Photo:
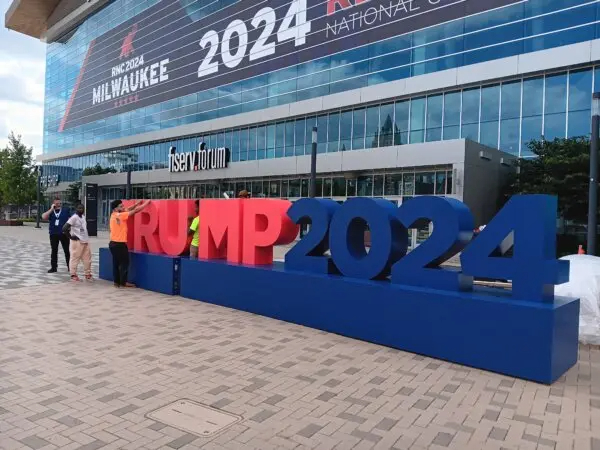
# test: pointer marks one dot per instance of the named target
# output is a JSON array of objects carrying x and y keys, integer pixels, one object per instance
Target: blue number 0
[
  {"x": 452, "y": 230},
  {"x": 308, "y": 254},
  {"x": 533, "y": 269},
  {"x": 347, "y": 238}
]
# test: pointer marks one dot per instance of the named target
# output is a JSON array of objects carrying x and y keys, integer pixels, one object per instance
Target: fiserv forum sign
[
  {"x": 201, "y": 159},
  {"x": 178, "y": 47}
]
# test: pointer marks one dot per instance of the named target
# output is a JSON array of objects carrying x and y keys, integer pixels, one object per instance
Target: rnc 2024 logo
[{"x": 131, "y": 76}]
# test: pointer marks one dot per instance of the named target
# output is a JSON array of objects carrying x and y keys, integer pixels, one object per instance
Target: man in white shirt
[{"x": 76, "y": 229}]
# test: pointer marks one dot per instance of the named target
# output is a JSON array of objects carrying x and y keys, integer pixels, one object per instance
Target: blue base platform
[
  {"x": 158, "y": 273},
  {"x": 534, "y": 341}
]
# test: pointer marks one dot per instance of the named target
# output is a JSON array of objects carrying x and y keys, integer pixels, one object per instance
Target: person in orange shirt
[{"x": 118, "y": 239}]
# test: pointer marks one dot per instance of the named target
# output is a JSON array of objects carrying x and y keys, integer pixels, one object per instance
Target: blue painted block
[
  {"x": 157, "y": 273},
  {"x": 483, "y": 329}
]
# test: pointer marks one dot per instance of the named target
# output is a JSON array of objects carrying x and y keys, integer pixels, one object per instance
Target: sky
[{"x": 22, "y": 65}]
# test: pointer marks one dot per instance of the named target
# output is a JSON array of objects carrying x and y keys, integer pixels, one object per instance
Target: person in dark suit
[{"x": 57, "y": 216}]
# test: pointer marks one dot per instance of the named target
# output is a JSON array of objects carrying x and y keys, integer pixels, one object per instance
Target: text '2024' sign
[
  {"x": 245, "y": 231},
  {"x": 179, "y": 47}
]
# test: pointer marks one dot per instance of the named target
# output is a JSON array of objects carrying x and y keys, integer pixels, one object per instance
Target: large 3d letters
[
  {"x": 146, "y": 230},
  {"x": 173, "y": 225},
  {"x": 221, "y": 230},
  {"x": 266, "y": 224}
]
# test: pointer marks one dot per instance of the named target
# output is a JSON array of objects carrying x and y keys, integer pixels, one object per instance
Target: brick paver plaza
[{"x": 81, "y": 367}]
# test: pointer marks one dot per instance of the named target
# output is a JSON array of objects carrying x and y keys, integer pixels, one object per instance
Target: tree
[
  {"x": 18, "y": 177},
  {"x": 74, "y": 188},
  {"x": 561, "y": 168}
]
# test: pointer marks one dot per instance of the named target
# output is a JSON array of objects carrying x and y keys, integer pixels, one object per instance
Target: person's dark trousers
[
  {"x": 55, "y": 239},
  {"x": 120, "y": 255}
]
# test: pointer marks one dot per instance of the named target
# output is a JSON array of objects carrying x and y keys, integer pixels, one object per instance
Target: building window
[
  {"x": 555, "y": 118},
  {"x": 358, "y": 129},
  {"x": 452, "y": 115},
  {"x": 434, "y": 118},
  {"x": 417, "y": 120},
  {"x": 470, "y": 114}
]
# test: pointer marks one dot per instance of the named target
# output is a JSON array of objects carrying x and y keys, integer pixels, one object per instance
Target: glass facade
[
  {"x": 504, "y": 116},
  {"x": 394, "y": 185},
  {"x": 521, "y": 28}
]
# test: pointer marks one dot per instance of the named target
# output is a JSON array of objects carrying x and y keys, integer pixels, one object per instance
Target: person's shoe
[
  {"x": 89, "y": 277},
  {"x": 118, "y": 286},
  {"x": 53, "y": 270},
  {"x": 75, "y": 278},
  {"x": 129, "y": 285}
]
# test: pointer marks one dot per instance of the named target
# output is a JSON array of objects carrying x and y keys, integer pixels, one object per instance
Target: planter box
[{"x": 11, "y": 223}]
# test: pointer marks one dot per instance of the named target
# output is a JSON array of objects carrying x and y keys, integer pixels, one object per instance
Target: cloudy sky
[{"x": 21, "y": 85}]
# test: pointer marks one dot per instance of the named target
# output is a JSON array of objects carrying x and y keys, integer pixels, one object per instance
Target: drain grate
[{"x": 194, "y": 418}]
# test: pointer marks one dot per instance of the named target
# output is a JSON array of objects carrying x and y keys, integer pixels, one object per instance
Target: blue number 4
[{"x": 533, "y": 269}]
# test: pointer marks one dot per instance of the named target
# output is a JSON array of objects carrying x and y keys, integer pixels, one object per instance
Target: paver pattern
[
  {"x": 82, "y": 364},
  {"x": 26, "y": 263}
]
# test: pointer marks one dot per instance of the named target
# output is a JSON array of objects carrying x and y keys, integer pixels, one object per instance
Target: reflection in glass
[
  {"x": 339, "y": 186},
  {"x": 321, "y": 133},
  {"x": 304, "y": 187},
  {"x": 452, "y": 115},
  {"x": 511, "y": 100},
  {"x": 327, "y": 185},
  {"x": 252, "y": 144},
  {"x": 424, "y": 183},
  {"x": 556, "y": 94},
  {"x": 533, "y": 96},
  {"x": 378, "y": 186},
  {"x": 346, "y": 130},
  {"x": 408, "y": 188},
  {"x": 294, "y": 188},
  {"x": 580, "y": 123},
  {"x": 358, "y": 129},
  {"x": 299, "y": 136},
  {"x": 531, "y": 129},
  {"x": 279, "y": 139},
  {"x": 401, "y": 120},
  {"x": 555, "y": 126},
  {"x": 509, "y": 136},
  {"x": 417, "y": 120},
  {"x": 333, "y": 132},
  {"x": 274, "y": 188},
  {"x": 386, "y": 125},
  {"x": 440, "y": 183},
  {"x": 271, "y": 141},
  {"x": 372, "y": 127},
  {"x": 365, "y": 186},
  {"x": 393, "y": 184},
  {"x": 434, "y": 118},
  {"x": 470, "y": 114},
  {"x": 289, "y": 138},
  {"x": 351, "y": 188}
]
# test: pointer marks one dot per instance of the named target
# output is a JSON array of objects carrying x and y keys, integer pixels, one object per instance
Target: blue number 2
[
  {"x": 308, "y": 254},
  {"x": 452, "y": 230},
  {"x": 533, "y": 269}
]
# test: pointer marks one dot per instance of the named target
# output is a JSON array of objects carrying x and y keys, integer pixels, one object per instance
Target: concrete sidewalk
[{"x": 83, "y": 365}]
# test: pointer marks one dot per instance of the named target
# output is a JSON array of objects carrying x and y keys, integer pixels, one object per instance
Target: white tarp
[{"x": 584, "y": 283}]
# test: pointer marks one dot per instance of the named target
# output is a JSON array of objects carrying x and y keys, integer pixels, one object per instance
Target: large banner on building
[{"x": 178, "y": 47}]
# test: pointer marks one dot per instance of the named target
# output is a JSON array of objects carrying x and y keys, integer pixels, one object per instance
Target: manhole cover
[{"x": 194, "y": 418}]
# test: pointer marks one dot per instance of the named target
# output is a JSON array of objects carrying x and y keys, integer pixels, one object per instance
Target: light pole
[
  {"x": 39, "y": 182},
  {"x": 313, "y": 164},
  {"x": 593, "y": 195}
]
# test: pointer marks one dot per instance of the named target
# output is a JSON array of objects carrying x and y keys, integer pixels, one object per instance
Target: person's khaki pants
[
  {"x": 80, "y": 252},
  {"x": 193, "y": 252}
]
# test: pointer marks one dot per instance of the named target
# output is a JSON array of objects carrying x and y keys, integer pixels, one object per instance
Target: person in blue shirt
[{"x": 57, "y": 216}]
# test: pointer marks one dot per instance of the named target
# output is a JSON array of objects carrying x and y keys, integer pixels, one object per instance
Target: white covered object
[{"x": 584, "y": 283}]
